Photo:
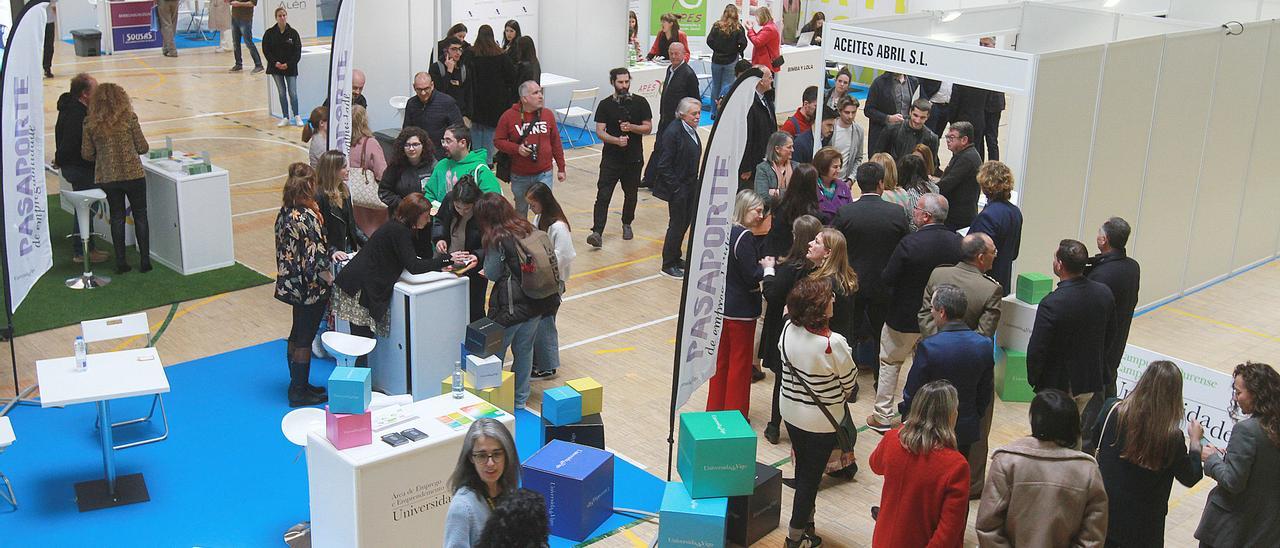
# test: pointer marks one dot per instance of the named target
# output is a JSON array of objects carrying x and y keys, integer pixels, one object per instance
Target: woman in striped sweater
[{"x": 817, "y": 370}]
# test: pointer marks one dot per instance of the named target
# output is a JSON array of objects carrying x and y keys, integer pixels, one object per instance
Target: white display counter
[
  {"x": 313, "y": 81},
  {"x": 428, "y": 322},
  {"x": 803, "y": 68},
  {"x": 190, "y": 217},
  {"x": 379, "y": 495},
  {"x": 646, "y": 81}
]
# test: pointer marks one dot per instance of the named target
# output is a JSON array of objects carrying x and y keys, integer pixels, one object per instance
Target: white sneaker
[
  {"x": 283, "y": 122},
  {"x": 297, "y": 120}
]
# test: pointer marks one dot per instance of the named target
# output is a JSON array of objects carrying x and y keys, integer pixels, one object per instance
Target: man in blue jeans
[
  {"x": 528, "y": 133},
  {"x": 242, "y": 29}
]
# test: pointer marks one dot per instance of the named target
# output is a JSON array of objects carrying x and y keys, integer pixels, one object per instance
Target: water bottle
[
  {"x": 457, "y": 380},
  {"x": 82, "y": 354}
]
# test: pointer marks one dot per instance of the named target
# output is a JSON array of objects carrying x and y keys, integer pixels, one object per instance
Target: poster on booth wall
[
  {"x": 133, "y": 26},
  {"x": 1206, "y": 393},
  {"x": 28, "y": 253},
  {"x": 692, "y": 15}
]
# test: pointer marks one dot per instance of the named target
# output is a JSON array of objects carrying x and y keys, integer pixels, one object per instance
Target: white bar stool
[
  {"x": 346, "y": 347},
  {"x": 82, "y": 200}
]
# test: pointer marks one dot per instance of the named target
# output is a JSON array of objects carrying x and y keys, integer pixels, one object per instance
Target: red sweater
[
  {"x": 925, "y": 498},
  {"x": 544, "y": 134},
  {"x": 797, "y": 123},
  {"x": 767, "y": 45}
]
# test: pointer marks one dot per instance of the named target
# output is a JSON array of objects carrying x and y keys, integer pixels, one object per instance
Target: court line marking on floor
[
  {"x": 1220, "y": 323},
  {"x": 618, "y": 332},
  {"x": 616, "y": 350},
  {"x": 1191, "y": 491},
  {"x": 610, "y": 288},
  {"x": 262, "y": 180},
  {"x": 616, "y": 265},
  {"x": 255, "y": 212}
]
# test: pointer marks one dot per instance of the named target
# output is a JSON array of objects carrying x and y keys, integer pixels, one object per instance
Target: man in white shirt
[{"x": 848, "y": 137}]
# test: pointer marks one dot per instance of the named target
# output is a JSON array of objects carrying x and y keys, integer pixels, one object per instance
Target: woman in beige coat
[
  {"x": 220, "y": 21},
  {"x": 1040, "y": 490}
]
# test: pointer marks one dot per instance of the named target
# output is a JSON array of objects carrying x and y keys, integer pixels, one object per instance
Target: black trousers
[
  {"x": 611, "y": 173},
  {"x": 812, "y": 451},
  {"x": 136, "y": 192},
  {"x": 869, "y": 315},
  {"x": 937, "y": 121},
  {"x": 680, "y": 209},
  {"x": 989, "y": 134},
  {"x": 477, "y": 286},
  {"x": 306, "y": 321},
  {"x": 48, "y": 46}
]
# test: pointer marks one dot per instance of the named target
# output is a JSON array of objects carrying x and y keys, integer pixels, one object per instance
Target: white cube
[
  {"x": 484, "y": 372},
  {"x": 1016, "y": 320}
]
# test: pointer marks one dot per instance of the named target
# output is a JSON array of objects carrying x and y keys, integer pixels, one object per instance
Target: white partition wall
[
  {"x": 596, "y": 45},
  {"x": 1258, "y": 237},
  {"x": 393, "y": 40}
]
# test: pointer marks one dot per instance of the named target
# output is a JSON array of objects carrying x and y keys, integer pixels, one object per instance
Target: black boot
[
  {"x": 288, "y": 358},
  {"x": 771, "y": 433},
  {"x": 142, "y": 231},
  {"x": 299, "y": 395},
  {"x": 117, "y": 241}
]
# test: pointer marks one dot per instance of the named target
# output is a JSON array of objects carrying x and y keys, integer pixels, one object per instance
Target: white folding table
[{"x": 109, "y": 376}]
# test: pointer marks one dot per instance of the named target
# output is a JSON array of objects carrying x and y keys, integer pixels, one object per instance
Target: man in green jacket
[{"x": 461, "y": 161}]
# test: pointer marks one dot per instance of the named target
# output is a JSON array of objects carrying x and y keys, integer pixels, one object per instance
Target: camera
[{"x": 533, "y": 151}]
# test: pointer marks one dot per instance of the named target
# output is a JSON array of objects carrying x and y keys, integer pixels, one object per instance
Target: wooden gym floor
[{"x": 618, "y": 320}]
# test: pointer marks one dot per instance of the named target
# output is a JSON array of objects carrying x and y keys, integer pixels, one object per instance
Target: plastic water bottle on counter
[
  {"x": 82, "y": 354},
  {"x": 457, "y": 380}
]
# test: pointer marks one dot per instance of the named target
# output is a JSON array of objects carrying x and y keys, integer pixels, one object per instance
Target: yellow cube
[
  {"x": 592, "y": 394},
  {"x": 503, "y": 396}
]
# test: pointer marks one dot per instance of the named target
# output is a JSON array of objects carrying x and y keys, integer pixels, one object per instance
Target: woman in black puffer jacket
[{"x": 494, "y": 76}]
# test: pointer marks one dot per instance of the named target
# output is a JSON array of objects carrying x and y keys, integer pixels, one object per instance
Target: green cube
[
  {"x": 717, "y": 456},
  {"x": 1011, "y": 376},
  {"x": 1033, "y": 286}
]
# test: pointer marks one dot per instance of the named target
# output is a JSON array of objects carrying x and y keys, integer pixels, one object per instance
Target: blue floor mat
[
  {"x": 225, "y": 477},
  {"x": 186, "y": 40}
]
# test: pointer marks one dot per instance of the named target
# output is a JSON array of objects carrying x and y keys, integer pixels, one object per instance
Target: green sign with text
[{"x": 692, "y": 15}]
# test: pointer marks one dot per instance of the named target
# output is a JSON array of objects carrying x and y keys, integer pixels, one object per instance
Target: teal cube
[
  {"x": 686, "y": 521},
  {"x": 717, "y": 454},
  {"x": 1033, "y": 286},
  {"x": 349, "y": 390},
  {"x": 1011, "y": 376},
  {"x": 561, "y": 405}
]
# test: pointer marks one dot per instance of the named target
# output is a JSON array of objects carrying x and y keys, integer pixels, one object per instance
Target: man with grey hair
[
  {"x": 1114, "y": 268},
  {"x": 432, "y": 112},
  {"x": 680, "y": 82},
  {"x": 960, "y": 356},
  {"x": 677, "y": 177},
  {"x": 905, "y": 275},
  {"x": 983, "y": 295},
  {"x": 527, "y": 133}
]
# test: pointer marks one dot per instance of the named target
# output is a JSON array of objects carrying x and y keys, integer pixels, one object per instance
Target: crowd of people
[{"x": 853, "y": 251}]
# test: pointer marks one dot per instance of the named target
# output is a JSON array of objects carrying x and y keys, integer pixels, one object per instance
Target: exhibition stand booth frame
[{"x": 1150, "y": 119}]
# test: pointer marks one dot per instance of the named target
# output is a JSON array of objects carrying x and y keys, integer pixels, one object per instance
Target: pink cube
[{"x": 347, "y": 431}]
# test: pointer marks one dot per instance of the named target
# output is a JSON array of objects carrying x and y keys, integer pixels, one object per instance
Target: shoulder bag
[
  {"x": 1103, "y": 432},
  {"x": 846, "y": 431},
  {"x": 362, "y": 183},
  {"x": 502, "y": 160}
]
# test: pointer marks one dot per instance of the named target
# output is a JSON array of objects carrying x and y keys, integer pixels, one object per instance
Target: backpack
[{"x": 539, "y": 271}]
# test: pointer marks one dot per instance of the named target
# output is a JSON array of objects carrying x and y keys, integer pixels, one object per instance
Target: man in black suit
[
  {"x": 1115, "y": 269},
  {"x": 905, "y": 276},
  {"x": 762, "y": 122},
  {"x": 888, "y": 101},
  {"x": 969, "y": 104},
  {"x": 1073, "y": 329},
  {"x": 872, "y": 229},
  {"x": 680, "y": 82},
  {"x": 677, "y": 179},
  {"x": 960, "y": 181}
]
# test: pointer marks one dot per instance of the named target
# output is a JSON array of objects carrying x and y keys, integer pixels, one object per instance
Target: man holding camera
[
  {"x": 622, "y": 121},
  {"x": 528, "y": 134}
]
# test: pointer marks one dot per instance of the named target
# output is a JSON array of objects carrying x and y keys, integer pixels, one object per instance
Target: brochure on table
[{"x": 379, "y": 495}]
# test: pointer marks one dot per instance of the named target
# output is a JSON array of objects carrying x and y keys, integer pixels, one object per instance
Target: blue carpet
[
  {"x": 186, "y": 40},
  {"x": 225, "y": 477}
]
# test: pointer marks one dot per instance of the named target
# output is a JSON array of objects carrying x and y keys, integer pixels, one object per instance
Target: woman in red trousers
[
  {"x": 925, "y": 498},
  {"x": 731, "y": 386}
]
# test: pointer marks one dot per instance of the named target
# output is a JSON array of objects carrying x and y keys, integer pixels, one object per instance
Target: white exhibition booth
[
  {"x": 90, "y": 14},
  {"x": 1159, "y": 121}
]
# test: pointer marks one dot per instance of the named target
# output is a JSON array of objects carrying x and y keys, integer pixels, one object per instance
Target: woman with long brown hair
[
  {"x": 494, "y": 74},
  {"x": 113, "y": 140},
  {"x": 519, "y": 314},
  {"x": 670, "y": 33},
  {"x": 727, "y": 41},
  {"x": 334, "y": 200},
  {"x": 303, "y": 277},
  {"x": 829, "y": 254},
  {"x": 549, "y": 217},
  {"x": 1242, "y": 509},
  {"x": 790, "y": 268},
  {"x": 1140, "y": 451}
]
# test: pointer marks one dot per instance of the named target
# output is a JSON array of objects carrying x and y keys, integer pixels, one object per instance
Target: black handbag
[
  {"x": 846, "y": 431},
  {"x": 778, "y": 62},
  {"x": 502, "y": 160}
]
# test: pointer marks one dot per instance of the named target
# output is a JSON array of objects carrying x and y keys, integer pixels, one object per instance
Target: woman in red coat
[
  {"x": 766, "y": 41},
  {"x": 925, "y": 498}
]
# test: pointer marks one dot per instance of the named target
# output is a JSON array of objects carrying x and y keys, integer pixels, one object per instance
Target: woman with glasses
[
  {"x": 488, "y": 469},
  {"x": 412, "y": 159}
]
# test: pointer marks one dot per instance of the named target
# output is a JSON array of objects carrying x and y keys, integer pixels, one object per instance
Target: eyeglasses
[
  {"x": 421, "y": 90},
  {"x": 480, "y": 457},
  {"x": 953, "y": 138},
  {"x": 412, "y": 145},
  {"x": 446, "y": 140}
]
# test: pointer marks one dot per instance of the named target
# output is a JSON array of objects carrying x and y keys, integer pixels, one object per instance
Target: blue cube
[
  {"x": 686, "y": 521},
  {"x": 349, "y": 390},
  {"x": 577, "y": 483},
  {"x": 561, "y": 405}
]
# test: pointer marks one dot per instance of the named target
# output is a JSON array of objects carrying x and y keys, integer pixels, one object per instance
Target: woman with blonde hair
[
  {"x": 930, "y": 162},
  {"x": 366, "y": 154},
  {"x": 892, "y": 192},
  {"x": 999, "y": 219},
  {"x": 1140, "y": 451},
  {"x": 303, "y": 277},
  {"x": 113, "y": 140},
  {"x": 670, "y": 34},
  {"x": 730, "y": 387},
  {"x": 767, "y": 41},
  {"x": 334, "y": 200},
  {"x": 727, "y": 41},
  {"x": 925, "y": 498}
]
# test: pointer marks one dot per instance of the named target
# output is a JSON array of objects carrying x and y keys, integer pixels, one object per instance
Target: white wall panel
[
  {"x": 1173, "y": 163},
  {"x": 393, "y": 40},
  {"x": 590, "y": 40},
  {"x": 1048, "y": 28},
  {"x": 1052, "y": 188},
  {"x": 1258, "y": 219}
]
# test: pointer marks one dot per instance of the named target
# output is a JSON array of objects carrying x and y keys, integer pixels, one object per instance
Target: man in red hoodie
[{"x": 531, "y": 155}]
